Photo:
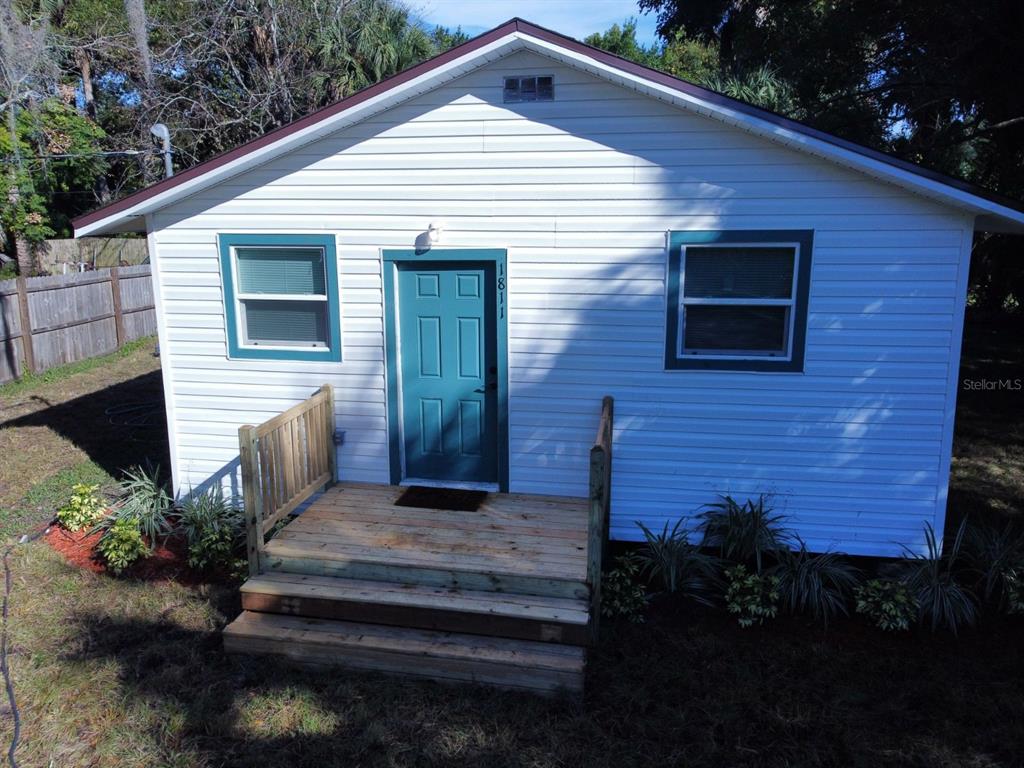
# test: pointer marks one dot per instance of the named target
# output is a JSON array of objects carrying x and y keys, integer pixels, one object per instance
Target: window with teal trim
[
  {"x": 281, "y": 296},
  {"x": 737, "y": 300}
]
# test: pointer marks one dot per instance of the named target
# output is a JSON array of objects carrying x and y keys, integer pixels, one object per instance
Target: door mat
[{"x": 455, "y": 499}]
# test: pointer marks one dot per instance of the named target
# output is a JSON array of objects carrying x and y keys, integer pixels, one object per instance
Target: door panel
[{"x": 448, "y": 364}]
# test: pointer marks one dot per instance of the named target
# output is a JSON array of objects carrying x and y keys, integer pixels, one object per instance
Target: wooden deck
[
  {"x": 525, "y": 544},
  {"x": 506, "y": 595},
  {"x": 497, "y": 596}
]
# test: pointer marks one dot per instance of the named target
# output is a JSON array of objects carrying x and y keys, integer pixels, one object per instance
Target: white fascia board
[
  {"x": 921, "y": 185},
  {"x": 385, "y": 100}
]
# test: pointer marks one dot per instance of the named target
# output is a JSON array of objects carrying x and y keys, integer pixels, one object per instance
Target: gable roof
[{"x": 993, "y": 212}]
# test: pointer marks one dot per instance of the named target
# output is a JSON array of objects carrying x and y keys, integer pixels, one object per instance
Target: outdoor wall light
[{"x": 435, "y": 230}]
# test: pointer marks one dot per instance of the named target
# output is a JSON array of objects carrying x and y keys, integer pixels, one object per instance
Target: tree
[
  {"x": 936, "y": 84},
  {"x": 697, "y": 61}
]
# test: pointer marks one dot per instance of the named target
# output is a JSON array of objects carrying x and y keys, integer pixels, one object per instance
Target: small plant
[
  {"x": 996, "y": 557},
  {"x": 815, "y": 584},
  {"x": 122, "y": 544},
  {"x": 888, "y": 603},
  {"x": 744, "y": 533},
  {"x": 622, "y": 596},
  {"x": 213, "y": 529},
  {"x": 1014, "y": 590},
  {"x": 942, "y": 600},
  {"x": 752, "y": 597},
  {"x": 146, "y": 501},
  {"x": 83, "y": 509},
  {"x": 680, "y": 566}
]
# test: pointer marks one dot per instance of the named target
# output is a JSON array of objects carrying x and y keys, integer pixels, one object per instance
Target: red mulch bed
[{"x": 168, "y": 562}]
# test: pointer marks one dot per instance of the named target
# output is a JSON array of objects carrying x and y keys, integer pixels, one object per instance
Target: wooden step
[
  {"x": 546, "y": 668},
  {"x": 525, "y": 617},
  {"x": 513, "y": 574}
]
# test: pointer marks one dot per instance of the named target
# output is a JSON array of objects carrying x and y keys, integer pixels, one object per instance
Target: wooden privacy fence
[
  {"x": 285, "y": 461},
  {"x": 600, "y": 507},
  {"x": 49, "y": 321}
]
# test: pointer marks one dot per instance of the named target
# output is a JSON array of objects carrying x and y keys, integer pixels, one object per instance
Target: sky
[{"x": 576, "y": 18}]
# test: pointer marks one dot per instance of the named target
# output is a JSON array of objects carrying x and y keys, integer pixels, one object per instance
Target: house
[{"x": 477, "y": 250}]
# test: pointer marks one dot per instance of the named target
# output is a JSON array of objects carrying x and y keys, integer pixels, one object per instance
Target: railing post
[
  {"x": 248, "y": 452},
  {"x": 600, "y": 510},
  {"x": 332, "y": 449},
  {"x": 595, "y": 536}
]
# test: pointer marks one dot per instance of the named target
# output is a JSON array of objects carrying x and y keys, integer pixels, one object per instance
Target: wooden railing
[
  {"x": 285, "y": 461},
  {"x": 600, "y": 508}
]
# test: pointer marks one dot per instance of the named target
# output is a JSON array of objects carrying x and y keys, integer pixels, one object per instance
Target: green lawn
[{"x": 120, "y": 673}]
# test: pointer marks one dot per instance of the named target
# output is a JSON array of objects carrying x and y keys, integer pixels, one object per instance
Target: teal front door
[{"x": 448, "y": 367}]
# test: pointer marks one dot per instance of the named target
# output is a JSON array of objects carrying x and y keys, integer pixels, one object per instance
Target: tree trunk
[
  {"x": 89, "y": 97},
  {"x": 85, "y": 71}
]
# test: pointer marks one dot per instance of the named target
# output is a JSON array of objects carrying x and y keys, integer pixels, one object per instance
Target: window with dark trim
[
  {"x": 737, "y": 300},
  {"x": 281, "y": 297}
]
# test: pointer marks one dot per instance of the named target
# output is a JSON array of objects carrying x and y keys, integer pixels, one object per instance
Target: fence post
[
  {"x": 115, "y": 294},
  {"x": 248, "y": 454},
  {"x": 25, "y": 319}
]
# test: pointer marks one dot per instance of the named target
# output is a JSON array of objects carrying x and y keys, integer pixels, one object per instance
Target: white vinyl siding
[{"x": 582, "y": 192}]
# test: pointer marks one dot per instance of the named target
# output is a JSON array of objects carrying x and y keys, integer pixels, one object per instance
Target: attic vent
[{"x": 529, "y": 89}]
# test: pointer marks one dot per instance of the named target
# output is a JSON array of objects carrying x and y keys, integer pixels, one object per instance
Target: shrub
[
  {"x": 1014, "y": 590},
  {"x": 942, "y": 600},
  {"x": 888, "y": 603},
  {"x": 996, "y": 558},
  {"x": 122, "y": 544},
  {"x": 752, "y": 597},
  {"x": 815, "y": 584},
  {"x": 621, "y": 594},
  {"x": 213, "y": 529},
  {"x": 84, "y": 508},
  {"x": 146, "y": 502},
  {"x": 680, "y": 566},
  {"x": 744, "y": 533}
]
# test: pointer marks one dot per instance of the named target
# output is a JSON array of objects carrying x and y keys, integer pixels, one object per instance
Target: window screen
[
  {"x": 282, "y": 297},
  {"x": 519, "y": 89},
  {"x": 736, "y": 300}
]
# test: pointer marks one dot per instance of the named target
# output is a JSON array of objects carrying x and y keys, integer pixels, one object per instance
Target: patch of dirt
[{"x": 77, "y": 547}]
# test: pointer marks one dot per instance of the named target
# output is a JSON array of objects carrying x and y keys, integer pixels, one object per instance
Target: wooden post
[
  {"x": 332, "y": 449},
  {"x": 248, "y": 452},
  {"x": 595, "y": 536},
  {"x": 600, "y": 508},
  {"x": 25, "y": 320},
  {"x": 115, "y": 294}
]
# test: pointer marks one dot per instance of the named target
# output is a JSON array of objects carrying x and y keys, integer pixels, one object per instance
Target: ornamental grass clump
[
  {"x": 680, "y": 567},
  {"x": 744, "y": 533},
  {"x": 995, "y": 558},
  {"x": 146, "y": 500},
  {"x": 943, "y": 601},
  {"x": 816, "y": 584},
  {"x": 213, "y": 529}
]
